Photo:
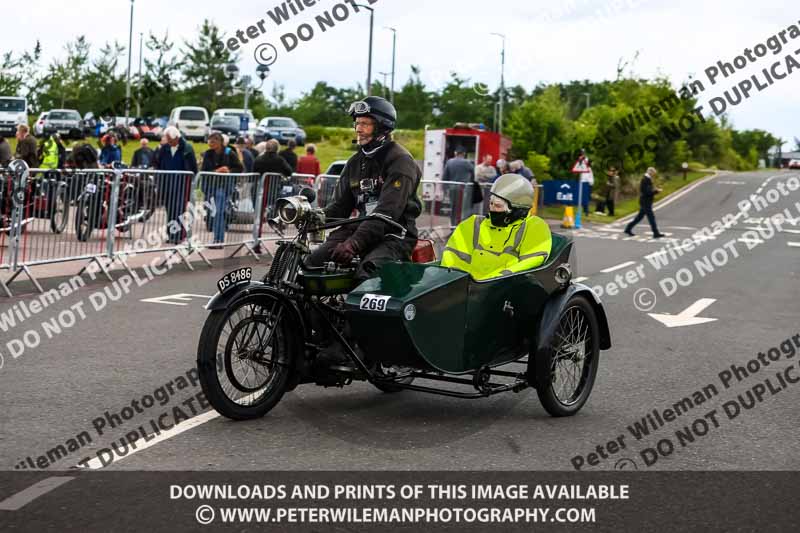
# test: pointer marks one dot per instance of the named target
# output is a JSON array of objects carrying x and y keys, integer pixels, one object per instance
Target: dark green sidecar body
[{"x": 440, "y": 319}]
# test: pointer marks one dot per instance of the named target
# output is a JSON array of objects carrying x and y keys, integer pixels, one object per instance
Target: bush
[{"x": 314, "y": 133}]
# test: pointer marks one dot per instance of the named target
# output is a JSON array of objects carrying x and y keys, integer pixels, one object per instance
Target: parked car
[
  {"x": 13, "y": 111},
  {"x": 227, "y": 125},
  {"x": 336, "y": 168},
  {"x": 252, "y": 123},
  {"x": 794, "y": 163},
  {"x": 281, "y": 129},
  {"x": 38, "y": 126},
  {"x": 192, "y": 122},
  {"x": 66, "y": 122}
]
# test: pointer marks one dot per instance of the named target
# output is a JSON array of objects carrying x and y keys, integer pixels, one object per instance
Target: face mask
[{"x": 500, "y": 219}]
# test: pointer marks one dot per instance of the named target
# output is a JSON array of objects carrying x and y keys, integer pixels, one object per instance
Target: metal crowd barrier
[
  {"x": 106, "y": 215},
  {"x": 230, "y": 211},
  {"x": 325, "y": 186}
]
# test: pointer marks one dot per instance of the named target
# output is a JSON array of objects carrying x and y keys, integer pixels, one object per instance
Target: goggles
[{"x": 359, "y": 108}]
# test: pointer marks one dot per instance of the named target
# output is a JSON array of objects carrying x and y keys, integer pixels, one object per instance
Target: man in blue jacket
[{"x": 176, "y": 155}]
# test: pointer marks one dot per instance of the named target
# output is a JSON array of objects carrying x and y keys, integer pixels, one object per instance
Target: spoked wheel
[
  {"x": 58, "y": 215},
  {"x": 566, "y": 374},
  {"x": 244, "y": 357}
]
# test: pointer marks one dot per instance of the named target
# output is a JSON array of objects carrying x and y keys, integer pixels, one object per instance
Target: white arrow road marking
[
  {"x": 618, "y": 267},
  {"x": 175, "y": 299},
  {"x": 687, "y": 317},
  {"x": 22, "y": 498}
]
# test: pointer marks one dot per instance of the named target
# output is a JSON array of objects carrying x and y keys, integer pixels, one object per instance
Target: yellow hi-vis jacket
[
  {"x": 49, "y": 154},
  {"x": 486, "y": 251}
]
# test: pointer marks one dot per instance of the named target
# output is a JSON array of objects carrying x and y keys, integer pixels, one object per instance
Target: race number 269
[{"x": 374, "y": 302}]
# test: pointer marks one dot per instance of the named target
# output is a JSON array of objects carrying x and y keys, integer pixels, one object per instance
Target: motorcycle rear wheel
[{"x": 244, "y": 357}]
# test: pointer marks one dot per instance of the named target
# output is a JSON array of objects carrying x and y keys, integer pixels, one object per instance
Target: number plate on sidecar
[
  {"x": 374, "y": 302},
  {"x": 242, "y": 275}
]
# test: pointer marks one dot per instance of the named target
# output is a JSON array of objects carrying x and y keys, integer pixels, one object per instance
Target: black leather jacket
[{"x": 385, "y": 183}]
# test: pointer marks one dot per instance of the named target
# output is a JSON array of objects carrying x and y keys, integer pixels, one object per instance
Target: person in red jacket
[{"x": 309, "y": 164}]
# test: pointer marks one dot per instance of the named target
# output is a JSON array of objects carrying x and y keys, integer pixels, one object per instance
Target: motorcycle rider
[
  {"x": 506, "y": 242},
  {"x": 382, "y": 178}
]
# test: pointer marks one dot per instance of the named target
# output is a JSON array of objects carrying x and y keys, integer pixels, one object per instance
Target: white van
[
  {"x": 192, "y": 122},
  {"x": 13, "y": 111}
]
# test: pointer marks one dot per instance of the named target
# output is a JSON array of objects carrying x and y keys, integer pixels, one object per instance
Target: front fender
[
  {"x": 220, "y": 302},
  {"x": 555, "y": 305},
  {"x": 549, "y": 322}
]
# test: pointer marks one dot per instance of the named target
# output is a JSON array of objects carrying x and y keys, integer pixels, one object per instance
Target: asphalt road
[{"x": 63, "y": 386}]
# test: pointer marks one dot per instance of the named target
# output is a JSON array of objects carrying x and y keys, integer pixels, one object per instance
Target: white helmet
[{"x": 515, "y": 190}]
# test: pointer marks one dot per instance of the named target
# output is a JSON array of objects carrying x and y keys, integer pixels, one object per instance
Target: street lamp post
[
  {"x": 369, "y": 63},
  {"x": 139, "y": 96},
  {"x": 384, "y": 74},
  {"x": 588, "y": 100},
  {"x": 502, "y": 83},
  {"x": 394, "y": 56},
  {"x": 128, "y": 82}
]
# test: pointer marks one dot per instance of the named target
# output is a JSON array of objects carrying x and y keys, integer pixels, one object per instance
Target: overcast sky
[{"x": 547, "y": 40}]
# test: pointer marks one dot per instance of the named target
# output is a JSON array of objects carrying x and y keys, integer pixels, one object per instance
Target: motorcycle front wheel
[{"x": 244, "y": 357}]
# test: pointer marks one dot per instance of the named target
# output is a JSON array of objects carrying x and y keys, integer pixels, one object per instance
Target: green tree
[
  {"x": 64, "y": 84},
  {"x": 459, "y": 101},
  {"x": 414, "y": 103},
  {"x": 204, "y": 73}
]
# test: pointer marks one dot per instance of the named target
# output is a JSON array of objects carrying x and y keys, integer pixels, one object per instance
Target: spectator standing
[
  {"x": 5, "y": 152},
  {"x": 583, "y": 167},
  {"x": 288, "y": 154},
  {"x": 460, "y": 170},
  {"x": 247, "y": 157},
  {"x": 647, "y": 192},
  {"x": 309, "y": 164},
  {"x": 48, "y": 153},
  {"x": 612, "y": 186},
  {"x": 176, "y": 155},
  {"x": 271, "y": 162},
  {"x": 223, "y": 160},
  {"x": 248, "y": 144},
  {"x": 62, "y": 151},
  {"x": 143, "y": 157},
  {"x": 110, "y": 153},
  {"x": 502, "y": 167},
  {"x": 486, "y": 172},
  {"x": 26, "y": 147}
]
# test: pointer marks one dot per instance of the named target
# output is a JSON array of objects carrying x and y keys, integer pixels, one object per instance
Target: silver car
[{"x": 67, "y": 122}]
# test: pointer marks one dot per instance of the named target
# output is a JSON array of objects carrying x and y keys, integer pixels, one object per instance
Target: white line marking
[
  {"x": 618, "y": 267},
  {"x": 689, "y": 228},
  {"x": 794, "y": 231},
  {"x": 750, "y": 241},
  {"x": 96, "y": 463},
  {"x": 26, "y": 496},
  {"x": 180, "y": 297},
  {"x": 578, "y": 280},
  {"x": 794, "y": 244}
]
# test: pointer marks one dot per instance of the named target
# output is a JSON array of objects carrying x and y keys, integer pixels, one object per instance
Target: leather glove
[{"x": 344, "y": 252}]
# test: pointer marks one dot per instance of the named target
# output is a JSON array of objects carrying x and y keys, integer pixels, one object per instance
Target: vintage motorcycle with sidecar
[{"x": 414, "y": 326}]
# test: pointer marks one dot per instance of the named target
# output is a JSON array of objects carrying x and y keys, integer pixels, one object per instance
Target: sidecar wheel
[
  {"x": 565, "y": 374},
  {"x": 244, "y": 358}
]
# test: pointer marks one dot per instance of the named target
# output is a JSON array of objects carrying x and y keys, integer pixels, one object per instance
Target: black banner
[{"x": 397, "y": 501}]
